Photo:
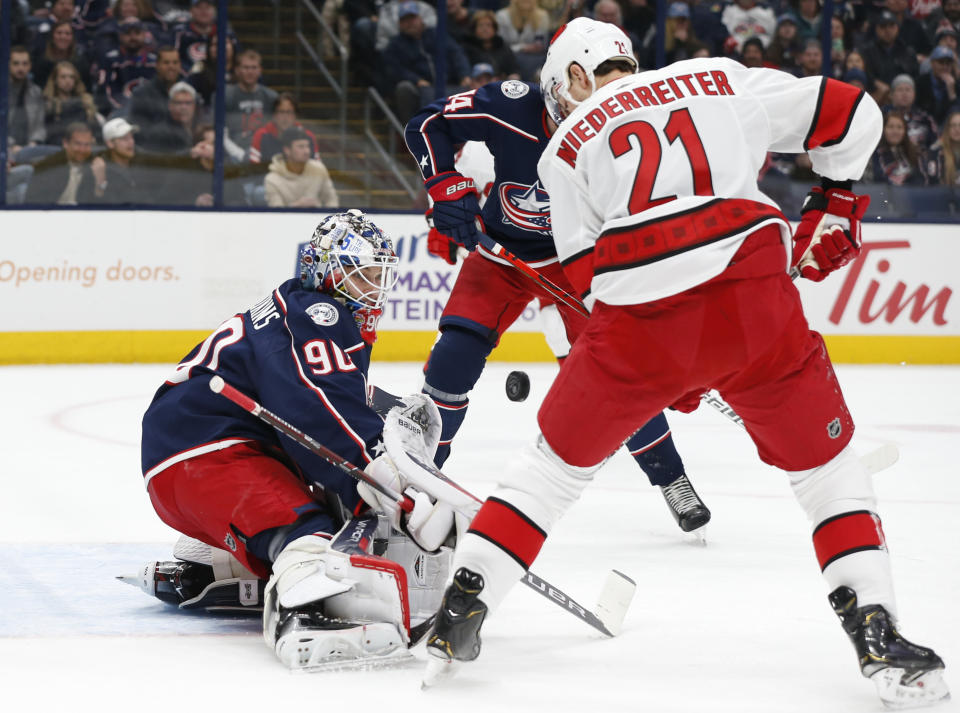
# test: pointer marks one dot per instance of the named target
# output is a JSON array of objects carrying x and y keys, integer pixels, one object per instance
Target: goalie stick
[{"x": 617, "y": 591}]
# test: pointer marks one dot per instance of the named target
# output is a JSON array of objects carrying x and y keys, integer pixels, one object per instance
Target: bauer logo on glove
[{"x": 828, "y": 236}]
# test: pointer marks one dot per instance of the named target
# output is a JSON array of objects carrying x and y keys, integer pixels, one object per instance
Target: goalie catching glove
[
  {"x": 828, "y": 236},
  {"x": 456, "y": 209},
  {"x": 416, "y": 425}
]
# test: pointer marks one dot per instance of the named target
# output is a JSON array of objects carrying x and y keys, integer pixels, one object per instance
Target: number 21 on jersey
[{"x": 627, "y": 137}]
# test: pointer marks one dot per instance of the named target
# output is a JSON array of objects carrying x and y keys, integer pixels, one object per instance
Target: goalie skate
[
  {"x": 308, "y": 640},
  {"x": 906, "y": 675}
]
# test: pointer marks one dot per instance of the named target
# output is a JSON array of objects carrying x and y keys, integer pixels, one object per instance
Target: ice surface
[{"x": 740, "y": 625}]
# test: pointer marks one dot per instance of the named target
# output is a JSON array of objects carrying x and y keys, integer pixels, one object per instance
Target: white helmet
[
  {"x": 338, "y": 256},
  {"x": 587, "y": 42}
]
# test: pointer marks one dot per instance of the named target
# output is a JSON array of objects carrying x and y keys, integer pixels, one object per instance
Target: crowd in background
[
  {"x": 133, "y": 84},
  {"x": 112, "y": 102}
]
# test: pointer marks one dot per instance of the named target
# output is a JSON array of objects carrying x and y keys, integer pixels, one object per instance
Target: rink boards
[{"x": 145, "y": 286}]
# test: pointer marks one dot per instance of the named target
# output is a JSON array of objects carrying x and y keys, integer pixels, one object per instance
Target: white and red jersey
[
  {"x": 475, "y": 161},
  {"x": 653, "y": 179}
]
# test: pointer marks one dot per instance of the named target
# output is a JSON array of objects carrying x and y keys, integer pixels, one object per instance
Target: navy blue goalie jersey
[
  {"x": 299, "y": 353},
  {"x": 509, "y": 117}
]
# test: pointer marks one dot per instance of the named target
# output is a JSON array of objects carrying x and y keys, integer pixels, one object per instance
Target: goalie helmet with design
[
  {"x": 350, "y": 258},
  {"x": 588, "y": 43}
]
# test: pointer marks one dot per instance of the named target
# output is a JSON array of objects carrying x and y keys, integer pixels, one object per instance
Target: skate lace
[{"x": 681, "y": 496}]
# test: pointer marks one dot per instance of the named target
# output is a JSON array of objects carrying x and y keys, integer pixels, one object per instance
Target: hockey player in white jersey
[{"x": 662, "y": 229}]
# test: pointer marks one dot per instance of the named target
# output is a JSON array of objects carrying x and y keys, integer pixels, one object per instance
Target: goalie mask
[
  {"x": 588, "y": 43},
  {"x": 350, "y": 257}
]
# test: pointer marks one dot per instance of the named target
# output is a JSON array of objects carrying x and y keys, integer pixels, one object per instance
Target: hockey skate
[
  {"x": 688, "y": 509},
  {"x": 309, "y": 640},
  {"x": 456, "y": 633},
  {"x": 201, "y": 577},
  {"x": 906, "y": 675}
]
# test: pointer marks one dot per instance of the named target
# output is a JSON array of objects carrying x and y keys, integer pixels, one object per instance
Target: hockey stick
[
  {"x": 876, "y": 460},
  {"x": 545, "y": 283},
  {"x": 617, "y": 591}
]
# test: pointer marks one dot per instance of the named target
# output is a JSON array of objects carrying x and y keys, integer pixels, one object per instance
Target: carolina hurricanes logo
[{"x": 527, "y": 207}]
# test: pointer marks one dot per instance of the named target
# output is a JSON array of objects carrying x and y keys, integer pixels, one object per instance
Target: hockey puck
[{"x": 518, "y": 385}]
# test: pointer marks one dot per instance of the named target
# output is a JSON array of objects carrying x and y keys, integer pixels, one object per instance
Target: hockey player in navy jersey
[
  {"x": 258, "y": 505},
  {"x": 489, "y": 294}
]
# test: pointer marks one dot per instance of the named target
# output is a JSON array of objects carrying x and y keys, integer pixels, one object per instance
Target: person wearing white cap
[{"x": 114, "y": 182}]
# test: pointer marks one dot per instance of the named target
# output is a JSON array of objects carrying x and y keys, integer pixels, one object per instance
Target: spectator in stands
[
  {"x": 785, "y": 47},
  {"x": 409, "y": 60},
  {"x": 752, "y": 54},
  {"x": 945, "y": 37},
  {"x": 249, "y": 104},
  {"x": 921, "y": 128},
  {"x": 810, "y": 61},
  {"x": 203, "y": 75},
  {"x": 459, "y": 20},
  {"x": 897, "y": 160},
  {"x": 611, "y": 12},
  {"x": 948, "y": 16},
  {"x": 295, "y": 179},
  {"x": 638, "y": 15},
  {"x": 745, "y": 18},
  {"x": 190, "y": 182},
  {"x": 838, "y": 46},
  {"x": 808, "y": 19},
  {"x": 387, "y": 24},
  {"x": 191, "y": 37},
  {"x": 560, "y": 12},
  {"x": 113, "y": 180},
  {"x": 922, "y": 9},
  {"x": 485, "y": 45},
  {"x": 857, "y": 78},
  {"x": 937, "y": 91},
  {"x": 945, "y": 157},
  {"x": 854, "y": 60},
  {"x": 124, "y": 69},
  {"x": 60, "y": 11},
  {"x": 706, "y": 21},
  {"x": 25, "y": 104},
  {"x": 912, "y": 31},
  {"x": 481, "y": 74},
  {"x": 680, "y": 41},
  {"x": 887, "y": 55},
  {"x": 266, "y": 141},
  {"x": 174, "y": 135},
  {"x": 57, "y": 178},
  {"x": 156, "y": 30},
  {"x": 526, "y": 30},
  {"x": 61, "y": 47},
  {"x": 149, "y": 102},
  {"x": 66, "y": 101}
]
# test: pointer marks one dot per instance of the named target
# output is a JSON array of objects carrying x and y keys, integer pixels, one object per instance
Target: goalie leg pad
[
  {"x": 329, "y": 601},
  {"x": 848, "y": 538}
]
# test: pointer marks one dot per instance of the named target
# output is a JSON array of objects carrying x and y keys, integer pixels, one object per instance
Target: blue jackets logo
[
  {"x": 527, "y": 207},
  {"x": 323, "y": 314}
]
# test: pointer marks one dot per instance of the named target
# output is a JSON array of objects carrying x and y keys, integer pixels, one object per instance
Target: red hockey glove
[
  {"x": 456, "y": 207},
  {"x": 828, "y": 236}
]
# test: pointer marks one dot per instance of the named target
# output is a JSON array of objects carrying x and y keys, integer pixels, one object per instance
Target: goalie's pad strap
[
  {"x": 517, "y": 535},
  {"x": 847, "y": 533}
]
